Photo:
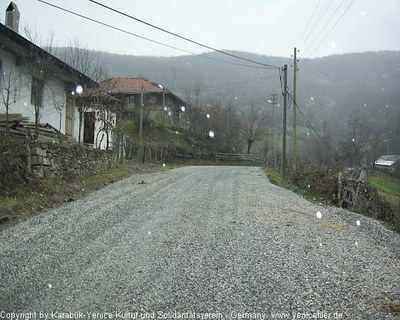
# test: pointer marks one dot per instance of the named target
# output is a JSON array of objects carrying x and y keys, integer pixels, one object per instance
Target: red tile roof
[{"x": 133, "y": 86}]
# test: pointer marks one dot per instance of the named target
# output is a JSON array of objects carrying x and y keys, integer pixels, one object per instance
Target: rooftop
[
  {"x": 387, "y": 160},
  {"x": 120, "y": 85}
]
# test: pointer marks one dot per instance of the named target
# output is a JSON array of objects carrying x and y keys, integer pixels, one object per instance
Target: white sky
[{"x": 269, "y": 27}]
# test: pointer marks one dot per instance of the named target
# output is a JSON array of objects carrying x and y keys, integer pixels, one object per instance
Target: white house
[{"x": 38, "y": 81}]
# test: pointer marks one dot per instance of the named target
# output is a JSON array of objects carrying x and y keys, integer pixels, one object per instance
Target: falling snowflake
[
  {"x": 50, "y": 285},
  {"x": 319, "y": 215},
  {"x": 211, "y": 134},
  {"x": 163, "y": 164},
  {"x": 358, "y": 222}
]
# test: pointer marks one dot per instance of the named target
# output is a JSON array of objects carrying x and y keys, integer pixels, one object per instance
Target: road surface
[{"x": 199, "y": 242}]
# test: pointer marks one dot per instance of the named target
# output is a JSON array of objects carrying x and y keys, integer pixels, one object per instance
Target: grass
[
  {"x": 25, "y": 201},
  {"x": 275, "y": 178},
  {"x": 388, "y": 188}
]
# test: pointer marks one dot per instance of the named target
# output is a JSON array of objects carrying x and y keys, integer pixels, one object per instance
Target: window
[
  {"x": 130, "y": 99},
  {"x": 37, "y": 92}
]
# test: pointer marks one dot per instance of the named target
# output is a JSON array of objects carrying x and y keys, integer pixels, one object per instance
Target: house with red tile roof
[{"x": 161, "y": 104}]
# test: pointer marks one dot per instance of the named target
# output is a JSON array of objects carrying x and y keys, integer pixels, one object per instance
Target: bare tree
[
  {"x": 355, "y": 140},
  {"x": 59, "y": 105},
  {"x": 8, "y": 87},
  {"x": 88, "y": 63},
  {"x": 254, "y": 125},
  {"x": 39, "y": 71}
]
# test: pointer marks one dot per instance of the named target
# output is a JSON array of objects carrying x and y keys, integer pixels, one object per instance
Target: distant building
[
  {"x": 161, "y": 104},
  {"x": 388, "y": 163}
]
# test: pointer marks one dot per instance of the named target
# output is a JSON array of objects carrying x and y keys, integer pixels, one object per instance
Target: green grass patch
[{"x": 387, "y": 188}]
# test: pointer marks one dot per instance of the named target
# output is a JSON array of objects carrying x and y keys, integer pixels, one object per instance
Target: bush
[
  {"x": 13, "y": 165},
  {"x": 319, "y": 180}
]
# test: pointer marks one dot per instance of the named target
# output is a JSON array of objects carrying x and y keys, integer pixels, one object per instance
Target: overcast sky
[{"x": 270, "y": 27}]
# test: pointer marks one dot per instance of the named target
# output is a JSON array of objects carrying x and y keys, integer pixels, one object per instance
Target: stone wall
[{"x": 49, "y": 159}]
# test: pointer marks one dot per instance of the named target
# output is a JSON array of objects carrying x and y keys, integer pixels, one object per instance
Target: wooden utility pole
[
  {"x": 141, "y": 124},
  {"x": 274, "y": 102},
  {"x": 283, "y": 172},
  {"x": 294, "y": 151}
]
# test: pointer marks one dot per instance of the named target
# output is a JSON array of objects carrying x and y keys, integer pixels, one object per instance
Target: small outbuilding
[{"x": 388, "y": 163}]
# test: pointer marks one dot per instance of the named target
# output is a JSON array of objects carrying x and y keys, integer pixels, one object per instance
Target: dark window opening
[
  {"x": 37, "y": 91},
  {"x": 89, "y": 127}
]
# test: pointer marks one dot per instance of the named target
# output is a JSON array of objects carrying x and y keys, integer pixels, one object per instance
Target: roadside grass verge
[
  {"x": 24, "y": 201},
  {"x": 387, "y": 188},
  {"x": 319, "y": 185},
  {"x": 306, "y": 192}
]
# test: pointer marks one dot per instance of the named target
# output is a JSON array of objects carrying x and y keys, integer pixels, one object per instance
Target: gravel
[{"x": 219, "y": 240}]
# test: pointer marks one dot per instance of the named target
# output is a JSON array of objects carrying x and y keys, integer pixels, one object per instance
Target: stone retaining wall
[{"x": 50, "y": 159}]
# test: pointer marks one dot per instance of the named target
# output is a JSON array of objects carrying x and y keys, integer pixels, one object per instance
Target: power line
[
  {"x": 304, "y": 116},
  {"x": 182, "y": 37},
  {"x": 308, "y": 23},
  {"x": 322, "y": 30},
  {"x": 145, "y": 38},
  {"x": 314, "y": 23},
  {"x": 230, "y": 83},
  {"x": 333, "y": 27}
]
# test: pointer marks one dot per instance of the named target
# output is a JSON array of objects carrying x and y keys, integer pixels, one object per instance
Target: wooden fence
[{"x": 238, "y": 157}]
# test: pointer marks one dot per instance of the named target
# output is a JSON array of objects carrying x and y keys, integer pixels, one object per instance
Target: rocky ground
[{"x": 201, "y": 239}]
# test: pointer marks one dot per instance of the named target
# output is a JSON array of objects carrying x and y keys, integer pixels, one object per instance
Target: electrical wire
[
  {"x": 333, "y": 27},
  {"x": 229, "y": 83},
  {"x": 314, "y": 24},
  {"x": 182, "y": 37},
  {"x": 308, "y": 23},
  {"x": 147, "y": 39},
  {"x": 305, "y": 118},
  {"x": 322, "y": 30}
]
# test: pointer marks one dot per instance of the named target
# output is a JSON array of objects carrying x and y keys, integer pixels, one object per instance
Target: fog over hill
[{"x": 328, "y": 90}]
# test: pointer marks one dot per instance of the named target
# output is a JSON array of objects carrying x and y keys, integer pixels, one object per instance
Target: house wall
[
  {"x": 22, "y": 93},
  {"x": 100, "y": 138},
  {"x": 155, "y": 107},
  {"x": 53, "y": 94}
]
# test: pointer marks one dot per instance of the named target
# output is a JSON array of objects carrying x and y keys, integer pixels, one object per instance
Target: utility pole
[
  {"x": 141, "y": 124},
  {"x": 164, "y": 106},
  {"x": 284, "y": 122},
  {"x": 294, "y": 151},
  {"x": 274, "y": 102}
]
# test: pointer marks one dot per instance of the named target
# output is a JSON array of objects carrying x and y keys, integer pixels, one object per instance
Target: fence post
[
  {"x": 340, "y": 188},
  {"x": 374, "y": 203}
]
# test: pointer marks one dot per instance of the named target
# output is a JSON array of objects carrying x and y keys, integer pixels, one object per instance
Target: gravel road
[{"x": 219, "y": 240}]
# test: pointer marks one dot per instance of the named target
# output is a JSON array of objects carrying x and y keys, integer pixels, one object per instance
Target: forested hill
[{"x": 329, "y": 88}]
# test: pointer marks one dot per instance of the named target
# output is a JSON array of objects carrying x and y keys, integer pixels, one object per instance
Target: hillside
[{"x": 329, "y": 88}]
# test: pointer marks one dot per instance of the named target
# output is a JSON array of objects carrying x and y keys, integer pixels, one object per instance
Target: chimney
[{"x": 12, "y": 17}]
